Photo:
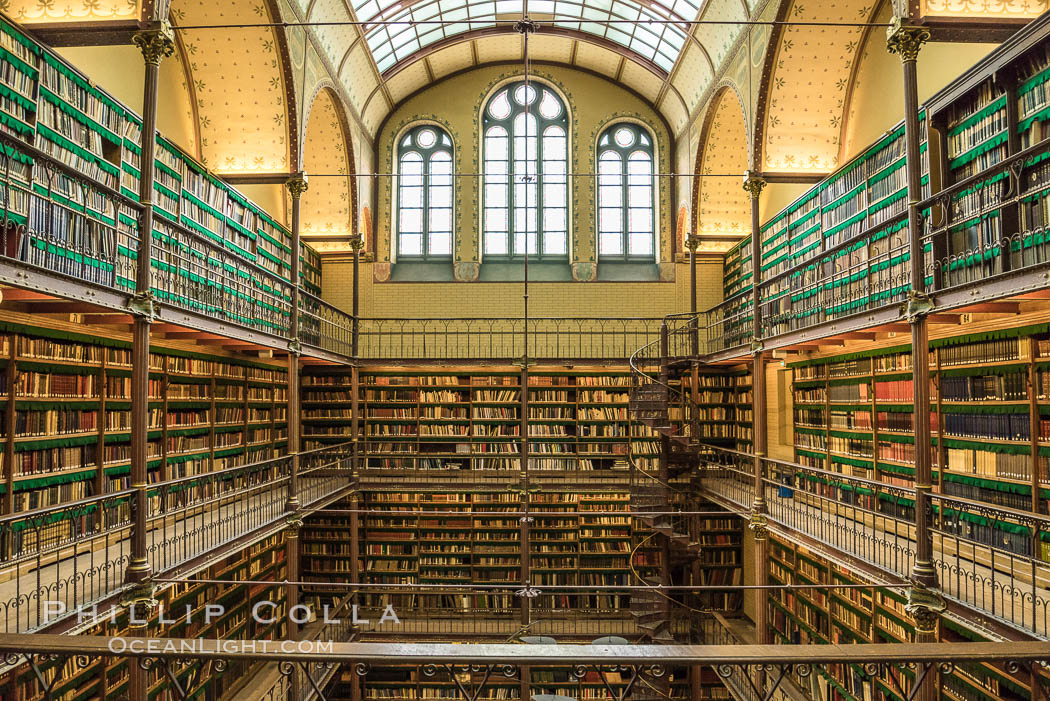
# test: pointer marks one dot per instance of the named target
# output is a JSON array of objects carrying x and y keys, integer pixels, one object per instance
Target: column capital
[
  {"x": 753, "y": 184},
  {"x": 156, "y": 41},
  {"x": 357, "y": 242},
  {"x": 141, "y": 602},
  {"x": 925, "y": 605},
  {"x": 692, "y": 242},
  {"x": 758, "y": 525},
  {"x": 297, "y": 184},
  {"x": 905, "y": 39}
]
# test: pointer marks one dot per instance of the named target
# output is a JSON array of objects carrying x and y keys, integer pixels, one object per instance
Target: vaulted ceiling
[{"x": 402, "y": 46}]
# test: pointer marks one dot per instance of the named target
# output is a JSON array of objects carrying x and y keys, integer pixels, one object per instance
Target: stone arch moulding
[
  {"x": 722, "y": 150},
  {"x": 804, "y": 96},
  {"x": 383, "y": 194},
  {"x": 296, "y": 127},
  {"x": 394, "y": 168}
]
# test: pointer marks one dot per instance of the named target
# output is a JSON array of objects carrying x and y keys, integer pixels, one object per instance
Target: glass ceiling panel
[{"x": 640, "y": 28}]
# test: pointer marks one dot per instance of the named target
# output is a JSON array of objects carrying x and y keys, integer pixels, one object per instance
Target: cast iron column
[
  {"x": 692, "y": 242},
  {"x": 924, "y": 601},
  {"x": 296, "y": 187},
  {"x": 156, "y": 43},
  {"x": 357, "y": 242},
  {"x": 754, "y": 185}
]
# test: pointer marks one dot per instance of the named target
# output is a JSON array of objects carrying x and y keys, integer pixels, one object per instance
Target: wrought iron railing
[
  {"x": 324, "y": 326},
  {"x": 476, "y": 670},
  {"x": 60, "y": 558},
  {"x": 504, "y": 338},
  {"x": 972, "y": 232},
  {"x": 990, "y": 558},
  {"x": 61, "y": 223}
]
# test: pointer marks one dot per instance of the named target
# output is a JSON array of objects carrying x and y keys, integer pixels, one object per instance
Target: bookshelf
[
  {"x": 181, "y": 614},
  {"x": 841, "y": 248},
  {"x": 47, "y": 104},
  {"x": 861, "y": 615},
  {"x": 68, "y": 420},
  {"x": 469, "y": 418},
  {"x": 988, "y": 416}
]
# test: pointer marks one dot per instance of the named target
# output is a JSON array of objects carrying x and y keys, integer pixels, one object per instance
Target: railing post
[
  {"x": 754, "y": 185},
  {"x": 692, "y": 242},
  {"x": 665, "y": 370},
  {"x": 156, "y": 43},
  {"x": 924, "y": 602},
  {"x": 357, "y": 242}
]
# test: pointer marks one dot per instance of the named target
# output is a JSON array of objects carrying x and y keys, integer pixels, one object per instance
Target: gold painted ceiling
[
  {"x": 326, "y": 204},
  {"x": 723, "y": 208},
  {"x": 238, "y": 85}
]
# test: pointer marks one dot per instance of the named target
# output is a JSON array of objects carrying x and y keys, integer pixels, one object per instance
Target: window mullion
[
  {"x": 625, "y": 206},
  {"x": 538, "y": 182}
]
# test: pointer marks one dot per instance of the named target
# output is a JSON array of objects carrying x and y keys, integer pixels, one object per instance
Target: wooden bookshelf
[
  {"x": 48, "y": 104},
  {"x": 68, "y": 420},
  {"x": 180, "y": 615},
  {"x": 469, "y": 418},
  {"x": 862, "y": 615},
  {"x": 853, "y": 414}
]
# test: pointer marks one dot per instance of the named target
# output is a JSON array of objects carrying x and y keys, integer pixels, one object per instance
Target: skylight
[{"x": 644, "y": 29}]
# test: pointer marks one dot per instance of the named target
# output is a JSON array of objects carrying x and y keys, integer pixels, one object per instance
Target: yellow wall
[
  {"x": 877, "y": 102},
  {"x": 504, "y": 299},
  {"x": 455, "y": 103},
  {"x": 119, "y": 70}
]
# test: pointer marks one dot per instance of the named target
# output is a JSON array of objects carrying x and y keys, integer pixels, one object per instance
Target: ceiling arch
[
  {"x": 808, "y": 86},
  {"x": 654, "y": 30},
  {"x": 381, "y": 51},
  {"x": 239, "y": 86},
  {"x": 327, "y": 206},
  {"x": 721, "y": 206}
]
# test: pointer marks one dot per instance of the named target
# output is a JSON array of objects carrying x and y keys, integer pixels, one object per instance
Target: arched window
[
  {"x": 626, "y": 216},
  {"x": 526, "y": 166},
  {"x": 424, "y": 194}
]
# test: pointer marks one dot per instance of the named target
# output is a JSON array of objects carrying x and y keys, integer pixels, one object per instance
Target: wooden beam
[
  {"x": 200, "y": 336},
  {"x": 857, "y": 336},
  {"x": 947, "y": 319},
  {"x": 114, "y": 319},
  {"x": 59, "y": 307},
  {"x": 831, "y": 342},
  {"x": 1038, "y": 294},
  {"x": 993, "y": 307},
  {"x": 17, "y": 294},
  {"x": 161, "y": 327},
  {"x": 894, "y": 328}
]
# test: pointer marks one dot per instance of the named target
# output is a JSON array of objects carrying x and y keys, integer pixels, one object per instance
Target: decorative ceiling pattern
[
  {"x": 42, "y": 11},
  {"x": 326, "y": 204},
  {"x": 238, "y": 84},
  {"x": 809, "y": 85},
  {"x": 723, "y": 208},
  {"x": 1014, "y": 9}
]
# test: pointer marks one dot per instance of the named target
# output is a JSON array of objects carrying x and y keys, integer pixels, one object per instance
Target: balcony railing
[
  {"x": 55, "y": 221},
  {"x": 990, "y": 558},
  {"x": 504, "y": 338},
  {"x": 74, "y": 555},
  {"x": 870, "y": 271}
]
